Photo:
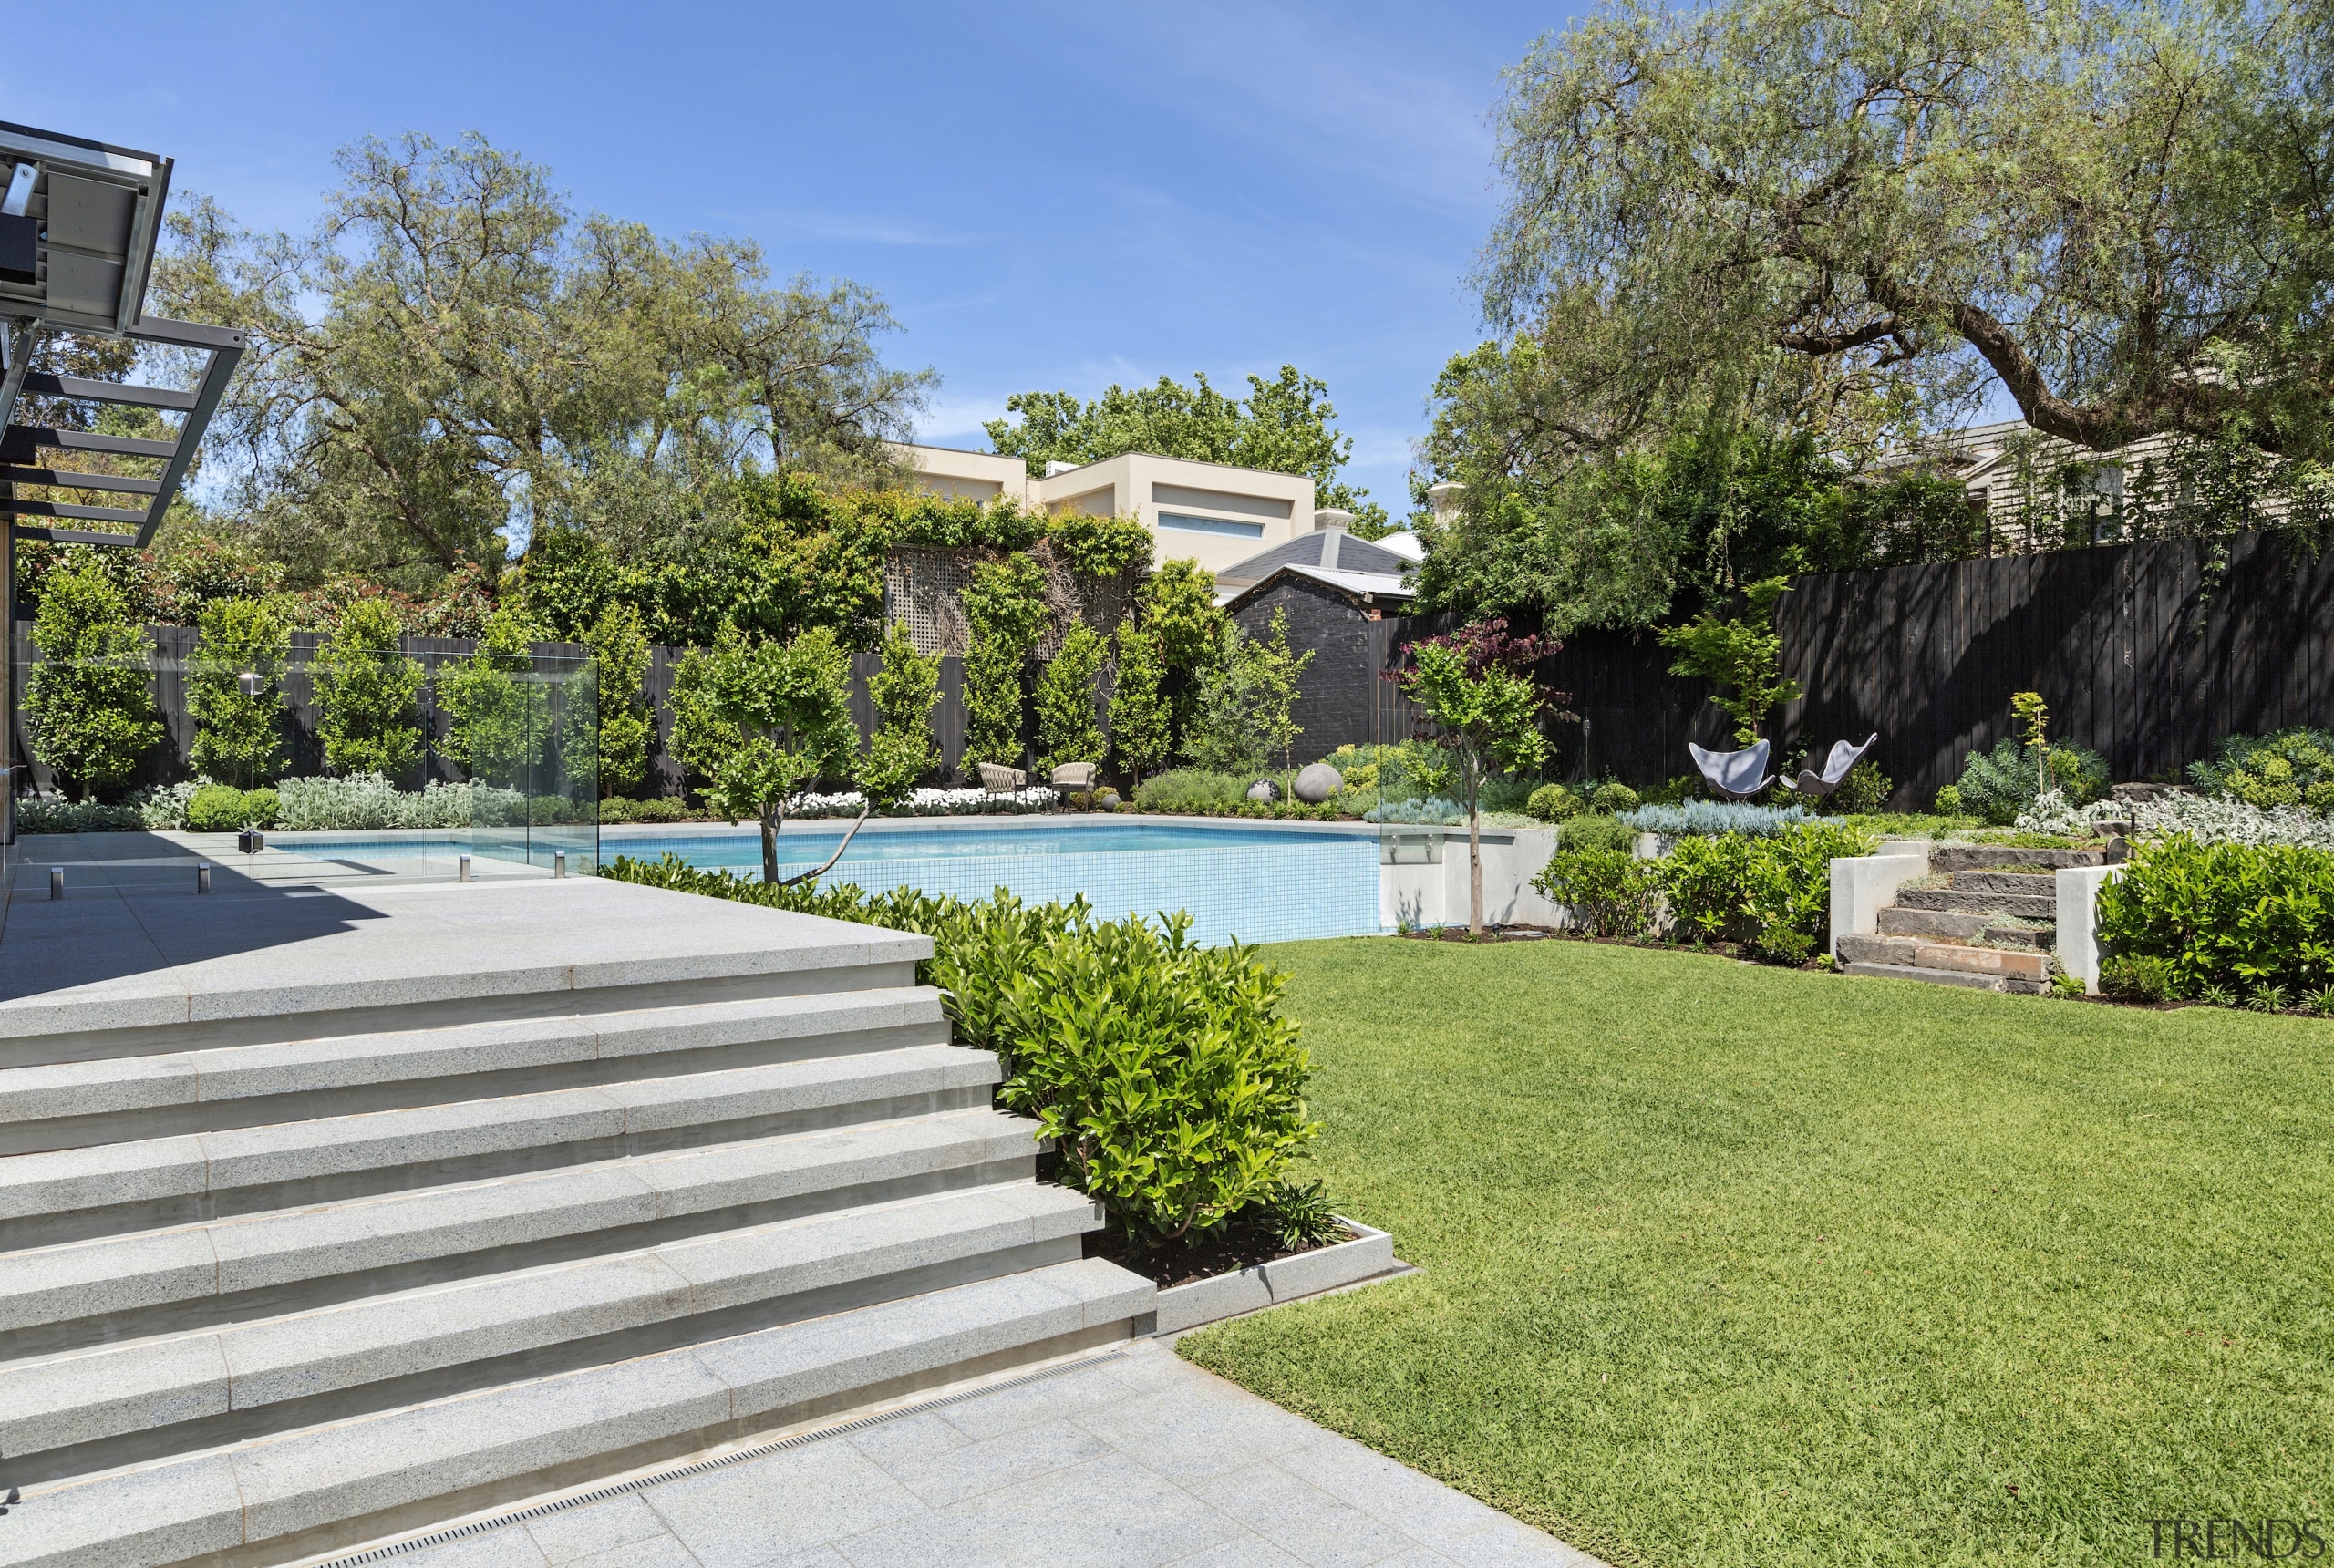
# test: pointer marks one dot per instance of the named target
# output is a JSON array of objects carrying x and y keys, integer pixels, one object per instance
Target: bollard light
[
  {"x": 56, "y": 883},
  {"x": 203, "y": 876},
  {"x": 559, "y": 862},
  {"x": 250, "y": 682},
  {"x": 462, "y": 869}
]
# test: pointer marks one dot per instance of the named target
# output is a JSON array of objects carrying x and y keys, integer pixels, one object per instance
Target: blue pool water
[{"x": 1254, "y": 884}]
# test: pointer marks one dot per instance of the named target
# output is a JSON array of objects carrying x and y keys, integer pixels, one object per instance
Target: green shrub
[
  {"x": 2226, "y": 918},
  {"x": 2133, "y": 977},
  {"x": 239, "y": 739},
  {"x": 90, "y": 698},
  {"x": 1866, "y": 790},
  {"x": 1772, "y": 895},
  {"x": 369, "y": 692},
  {"x": 1067, "y": 730},
  {"x": 656, "y": 809},
  {"x": 260, "y": 806},
  {"x": 1607, "y": 890},
  {"x": 215, "y": 808},
  {"x": 1999, "y": 785},
  {"x": 1554, "y": 803},
  {"x": 1165, "y": 1072},
  {"x": 1950, "y": 803},
  {"x": 1599, "y": 833},
  {"x": 1299, "y": 1214},
  {"x": 1193, "y": 790},
  {"x": 1681, "y": 789},
  {"x": 2287, "y": 767},
  {"x": 1613, "y": 796}
]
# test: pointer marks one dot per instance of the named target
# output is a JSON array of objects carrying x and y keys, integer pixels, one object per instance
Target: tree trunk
[
  {"x": 1474, "y": 857},
  {"x": 769, "y": 847},
  {"x": 851, "y": 833}
]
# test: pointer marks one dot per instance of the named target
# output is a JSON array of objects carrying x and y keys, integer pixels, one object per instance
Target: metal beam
[
  {"x": 67, "y": 478},
  {"x": 23, "y": 444},
  {"x": 186, "y": 334},
  {"x": 227, "y": 349},
  {"x": 40, "y": 381},
  {"x": 70, "y": 536},
  {"x": 21, "y": 508}
]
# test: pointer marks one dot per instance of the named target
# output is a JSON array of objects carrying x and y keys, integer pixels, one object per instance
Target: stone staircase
[
  {"x": 277, "y": 1282},
  {"x": 1984, "y": 918}
]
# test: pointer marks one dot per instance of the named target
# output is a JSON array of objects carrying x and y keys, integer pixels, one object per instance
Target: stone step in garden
[
  {"x": 2033, "y": 906},
  {"x": 2031, "y": 884},
  {"x": 297, "y": 1494},
  {"x": 1964, "y": 979},
  {"x": 1960, "y": 958},
  {"x": 149, "y": 1283},
  {"x": 125, "y": 1403},
  {"x": 1956, "y": 858},
  {"x": 1949, "y": 927},
  {"x": 75, "y": 1104},
  {"x": 69, "y": 1194}
]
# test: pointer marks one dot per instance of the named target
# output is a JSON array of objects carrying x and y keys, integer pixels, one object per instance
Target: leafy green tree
[
  {"x": 905, "y": 689},
  {"x": 1483, "y": 708},
  {"x": 1248, "y": 700},
  {"x": 1284, "y": 426},
  {"x": 239, "y": 737},
  {"x": 1177, "y": 608},
  {"x": 1741, "y": 655},
  {"x": 1068, "y": 730},
  {"x": 369, "y": 692},
  {"x": 618, "y": 715},
  {"x": 1005, "y": 610},
  {"x": 501, "y": 713},
  {"x": 90, "y": 697},
  {"x": 1139, "y": 716},
  {"x": 453, "y": 352},
  {"x": 763, "y": 721}
]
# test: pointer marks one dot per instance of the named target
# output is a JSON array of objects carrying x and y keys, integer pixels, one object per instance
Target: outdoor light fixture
[{"x": 250, "y": 682}]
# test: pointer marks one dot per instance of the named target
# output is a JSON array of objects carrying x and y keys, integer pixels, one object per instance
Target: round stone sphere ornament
[
  {"x": 1317, "y": 782},
  {"x": 1264, "y": 789}
]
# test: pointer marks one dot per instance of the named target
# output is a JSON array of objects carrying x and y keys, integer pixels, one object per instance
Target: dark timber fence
[{"x": 2146, "y": 653}]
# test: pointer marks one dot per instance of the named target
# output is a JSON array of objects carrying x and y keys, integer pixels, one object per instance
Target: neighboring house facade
[
  {"x": 1208, "y": 512},
  {"x": 1332, "y": 587}
]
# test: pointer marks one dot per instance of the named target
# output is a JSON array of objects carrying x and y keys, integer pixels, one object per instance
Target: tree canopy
[
  {"x": 1285, "y": 425},
  {"x": 453, "y": 353}
]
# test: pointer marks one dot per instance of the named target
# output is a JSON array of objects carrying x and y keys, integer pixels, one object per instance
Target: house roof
[
  {"x": 1307, "y": 549},
  {"x": 1353, "y": 584}
]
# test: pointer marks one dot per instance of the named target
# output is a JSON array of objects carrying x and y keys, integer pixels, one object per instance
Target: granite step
[
  {"x": 1958, "y": 858},
  {"x": 128, "y": 1403},
  {"x": 150, "y": 1283},
  {"x": 1934, "y": 976},
  {"x": 74, "y": 1193},
  {"x": 81, "y": 1104},
  {"x": 277, "y": 1498},
  {"x": 2032, "y": 884},
  {"x": 1960, "y": 957},
  {"x": 2033, "y": 906}
]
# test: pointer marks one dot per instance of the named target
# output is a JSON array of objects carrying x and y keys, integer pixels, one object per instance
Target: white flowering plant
[{"x": 929, "y": 803}]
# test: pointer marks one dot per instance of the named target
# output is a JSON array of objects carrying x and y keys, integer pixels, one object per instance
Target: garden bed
[{"x": 1245, "y": 1270}]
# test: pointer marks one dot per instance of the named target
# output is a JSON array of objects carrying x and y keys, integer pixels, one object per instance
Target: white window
[{"x": 1184, "y": 523}]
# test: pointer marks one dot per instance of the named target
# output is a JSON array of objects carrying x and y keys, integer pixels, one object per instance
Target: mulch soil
[{"x": 1237, "y": 1248}]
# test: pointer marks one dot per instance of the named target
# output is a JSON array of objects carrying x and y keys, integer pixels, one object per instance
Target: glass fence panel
[{"x": 407, "y": 765}]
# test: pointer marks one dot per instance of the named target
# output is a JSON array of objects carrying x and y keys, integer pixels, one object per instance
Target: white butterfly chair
[
  {"x": 1835, "y": 767},
  {"x": 1736, "y": 775}
]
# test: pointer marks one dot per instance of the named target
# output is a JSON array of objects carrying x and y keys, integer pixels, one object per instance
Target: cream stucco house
[{"x": 1207, "y": 513}]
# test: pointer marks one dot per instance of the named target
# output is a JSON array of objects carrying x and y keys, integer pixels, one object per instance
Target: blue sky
[{"x": 1047, "y": 196}]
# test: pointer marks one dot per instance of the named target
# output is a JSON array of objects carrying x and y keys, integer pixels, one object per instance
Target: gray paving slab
[{"x": 1137, "y": 1459}]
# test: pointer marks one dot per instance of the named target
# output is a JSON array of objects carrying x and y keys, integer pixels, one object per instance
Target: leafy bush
[
  {"x": 2207, "y": 819},
  {"x": 1599, "y": 833},
  {"x": 2135, "y": 977},
  {"x": 52, "y": 814},
  {"x": 223, "y": 808},
  {"x": 1701, "y": 818},
  {"x": 1298, "y": 1216},
  {"x": 1769, "y": 895},
  {"x": 1190, "y": 790},
  {"x": 655, "y": 808},
  {"x": 1067, "y": 730},
  {"x": 2228, "y": 917},
  {"x": 368, "y": 800},
  {"x": 1165, "y": 1072},
  {"x": 1607, "y": 890},
  {"x": 2287, "y": 768},
  {"x": 1434, "y": 812},
  {"x": 1950, "y": 803},
  {"x": 238, "y": 739},
  {"x": 1998, "y": 786},
  {"x": 368, "y": 690},
  {"x": 1554, "y": 803},
  {"x": 1613, "y": 796},
  {"x": 1866, "y": 790},
  {"x": 89, "y": 699}
]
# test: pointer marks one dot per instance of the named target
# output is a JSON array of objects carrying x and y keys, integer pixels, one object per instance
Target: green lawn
[{"x": 1727, "y": 1265}]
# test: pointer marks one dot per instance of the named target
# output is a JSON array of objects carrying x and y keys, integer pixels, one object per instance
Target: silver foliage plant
[{"x": 2209, "y": 819}]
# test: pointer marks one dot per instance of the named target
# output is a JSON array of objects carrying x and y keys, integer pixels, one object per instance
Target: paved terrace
[{"x": 1133, "y": 1457}]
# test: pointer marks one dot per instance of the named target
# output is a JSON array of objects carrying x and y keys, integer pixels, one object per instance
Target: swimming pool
[{"x": 1258, "y": 884}]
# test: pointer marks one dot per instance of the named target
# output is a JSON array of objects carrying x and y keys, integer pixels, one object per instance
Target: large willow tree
[
  {"x": 1842, "y": 223},
  {"x": 452, "y": 351}
]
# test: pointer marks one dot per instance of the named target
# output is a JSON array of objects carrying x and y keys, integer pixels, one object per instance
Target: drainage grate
[{"x": 761, "y": 1451}]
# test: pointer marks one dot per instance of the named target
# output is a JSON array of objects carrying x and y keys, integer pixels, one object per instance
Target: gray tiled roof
[{"x": 1305, "y": 550}]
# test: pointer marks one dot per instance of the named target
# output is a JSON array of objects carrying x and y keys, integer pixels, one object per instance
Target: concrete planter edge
[{"x": 1369, "y": 1255}]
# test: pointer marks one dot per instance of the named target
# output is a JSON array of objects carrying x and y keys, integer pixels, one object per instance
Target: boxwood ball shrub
[
  {"x": 1554, "y": 803},
  {"x": 1166, "y": 1072},
  {"x": 2225, "y": 918},
  {"x": 1613, "y": 796},
  {"x": 223, "y": 808}
]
